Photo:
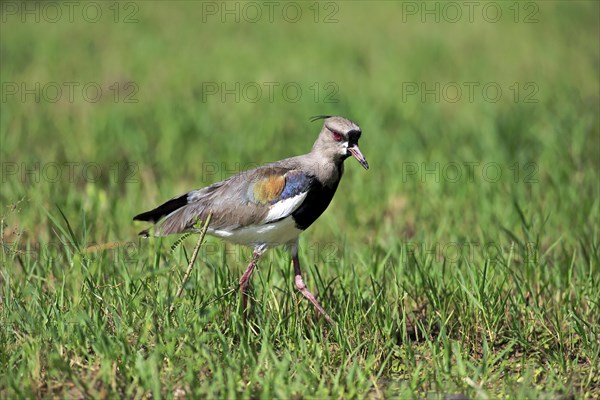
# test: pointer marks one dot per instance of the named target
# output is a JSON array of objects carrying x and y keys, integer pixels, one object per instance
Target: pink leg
[
  {"x": 245, "y": 279},
  {"x": 302, "y": 287}
]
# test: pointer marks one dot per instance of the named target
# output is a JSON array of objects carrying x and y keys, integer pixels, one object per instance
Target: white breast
[{"x": 273, "y": 234}]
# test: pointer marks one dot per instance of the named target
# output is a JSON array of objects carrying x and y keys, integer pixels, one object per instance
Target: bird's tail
[{"x": 159, "y": 212}]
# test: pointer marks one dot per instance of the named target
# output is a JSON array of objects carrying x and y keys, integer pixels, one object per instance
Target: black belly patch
[{"x": 316, "y": 202}]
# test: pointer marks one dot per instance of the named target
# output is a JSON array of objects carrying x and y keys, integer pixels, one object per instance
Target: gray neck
[{"x": 326, "y": 169}]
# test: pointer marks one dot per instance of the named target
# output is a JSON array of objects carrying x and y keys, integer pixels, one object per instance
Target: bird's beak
[{"x": 355, "y": 151}]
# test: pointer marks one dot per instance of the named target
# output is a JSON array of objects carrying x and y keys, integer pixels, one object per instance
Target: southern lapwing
[{"x": 270, "y": 205}]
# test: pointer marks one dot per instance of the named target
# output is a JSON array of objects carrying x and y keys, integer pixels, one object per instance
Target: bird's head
[{"x": 338, "y": 139}]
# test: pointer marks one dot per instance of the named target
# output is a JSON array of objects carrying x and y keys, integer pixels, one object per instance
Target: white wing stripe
[{"x": 284, "y": 208}]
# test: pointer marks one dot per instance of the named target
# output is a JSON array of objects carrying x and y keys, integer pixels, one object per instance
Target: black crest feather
[{"x": 318, "y": 117}]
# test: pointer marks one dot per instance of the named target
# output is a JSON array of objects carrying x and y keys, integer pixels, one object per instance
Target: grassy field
[{"x": 464, "y": 262}]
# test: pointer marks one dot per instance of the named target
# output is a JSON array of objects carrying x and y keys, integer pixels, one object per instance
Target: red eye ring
[{"x": 338, "y": 137}]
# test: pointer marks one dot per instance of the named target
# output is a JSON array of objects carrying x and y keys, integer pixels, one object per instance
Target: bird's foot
[{"x": 306, "y": 293}]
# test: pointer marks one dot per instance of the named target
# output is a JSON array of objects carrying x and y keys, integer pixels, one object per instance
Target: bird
[{"x": 270, "y": 205}]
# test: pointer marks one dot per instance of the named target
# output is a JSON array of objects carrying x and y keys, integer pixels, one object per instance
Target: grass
[{"x": 478, "y": 284}]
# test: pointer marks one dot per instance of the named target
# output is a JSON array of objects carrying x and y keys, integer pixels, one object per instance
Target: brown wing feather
[{"x": 241, "y": 200}]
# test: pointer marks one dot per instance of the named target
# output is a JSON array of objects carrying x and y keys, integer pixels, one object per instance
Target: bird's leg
[
  {"x": 302, "y": 287},
  {"x": 245, "y": 279}
]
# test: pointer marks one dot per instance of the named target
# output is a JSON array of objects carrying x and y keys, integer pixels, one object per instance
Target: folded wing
[{"x": 256, "y": 197}]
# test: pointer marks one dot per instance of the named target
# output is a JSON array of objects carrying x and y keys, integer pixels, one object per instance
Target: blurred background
[
  {"x": 108, "y": 110},
  {"x": 480, "y": 125}
]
